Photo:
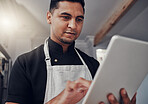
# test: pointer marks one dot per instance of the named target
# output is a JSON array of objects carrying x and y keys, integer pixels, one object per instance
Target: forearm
[
  {"x": 60, "y": 99},
  {"x": 11, "y": 103}
]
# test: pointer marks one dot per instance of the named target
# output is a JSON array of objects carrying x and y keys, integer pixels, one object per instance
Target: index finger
[{"x": 83, "y": 81}]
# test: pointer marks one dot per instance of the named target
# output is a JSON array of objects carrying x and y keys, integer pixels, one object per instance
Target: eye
[
  {"x": 65, "y": 17},
  {"x": 79, "y": 20}
]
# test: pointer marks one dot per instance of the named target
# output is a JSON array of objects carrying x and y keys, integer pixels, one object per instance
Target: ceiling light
[{"x": 6, "y": 22}]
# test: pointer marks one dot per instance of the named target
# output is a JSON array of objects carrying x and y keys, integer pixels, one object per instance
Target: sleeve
[{"x": 19, "y": 87}]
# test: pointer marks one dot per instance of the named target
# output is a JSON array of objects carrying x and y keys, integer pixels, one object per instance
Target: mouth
[{"x": 71, "y": 33}]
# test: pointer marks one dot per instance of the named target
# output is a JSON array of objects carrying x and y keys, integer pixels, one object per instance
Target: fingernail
[
  {"x": 79, "y": 90},
  {"x": 82, "y": 89},
  {"x": 124, "y": 91},
  {"x": 101, "y": 102},
  {"x": 111, "y": 97}
]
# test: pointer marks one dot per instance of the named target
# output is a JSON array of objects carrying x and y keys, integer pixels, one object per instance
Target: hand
[
  {"x": 73, "y": 93},
  {"x": 125, "y": 99}
]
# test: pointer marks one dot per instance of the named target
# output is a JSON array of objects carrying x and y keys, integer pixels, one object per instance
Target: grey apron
[{"x": 58, "y": 75}]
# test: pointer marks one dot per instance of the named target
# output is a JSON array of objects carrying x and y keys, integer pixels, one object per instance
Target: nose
[{"x": 72, "y": 24}]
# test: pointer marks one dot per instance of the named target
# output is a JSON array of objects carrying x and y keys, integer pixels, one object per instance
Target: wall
[
  {"x": 18, "y": 32},
  {"x": 18, "y": 46},
  {"x": 86, "y": 46}
]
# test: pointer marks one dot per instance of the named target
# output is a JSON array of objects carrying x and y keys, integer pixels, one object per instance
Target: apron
[{"x": 58, "y": 75}]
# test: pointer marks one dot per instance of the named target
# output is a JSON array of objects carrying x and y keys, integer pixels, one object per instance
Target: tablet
[{"x": 125, "y": 66}]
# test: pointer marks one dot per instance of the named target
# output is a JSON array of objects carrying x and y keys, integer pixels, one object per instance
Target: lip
[{"x": 72, "y": 33}]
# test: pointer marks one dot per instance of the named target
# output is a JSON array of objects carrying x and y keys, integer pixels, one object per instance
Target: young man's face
[{"x": 66, "y": 22}]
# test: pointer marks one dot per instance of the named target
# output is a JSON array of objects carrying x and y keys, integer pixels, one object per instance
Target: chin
[{"x": 67, "y": 41}]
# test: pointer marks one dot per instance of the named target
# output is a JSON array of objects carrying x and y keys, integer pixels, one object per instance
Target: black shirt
[
  {"x": 60, "y": 58},
  {"x": 27, "y": 81}
]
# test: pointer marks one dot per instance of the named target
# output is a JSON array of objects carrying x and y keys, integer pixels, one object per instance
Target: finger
[
  {"x": 112, "y": 99},
  {"x": 83, "y": 82},
  {"x": 101, "y": 102},
  {"x": 82, "y": 89},
  {"x": 73, "y": 86},
  {"x": 133, "y": 101},
  {"x": 70, "y": 86},
  {"x": 124, "y": 96}
]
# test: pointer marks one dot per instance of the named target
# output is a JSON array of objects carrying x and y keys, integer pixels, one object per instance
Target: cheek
[
  {"x": 79, "y": 28},
  {"x": 60, "y": 26}
]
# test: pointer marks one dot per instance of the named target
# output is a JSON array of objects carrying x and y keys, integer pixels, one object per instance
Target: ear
[{"x": 49, "y": 17}]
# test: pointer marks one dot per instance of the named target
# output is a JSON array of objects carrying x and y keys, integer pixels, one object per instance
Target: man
[{"x": 56, "y": 73}]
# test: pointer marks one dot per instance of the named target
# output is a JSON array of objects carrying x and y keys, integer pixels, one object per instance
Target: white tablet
[{"x": 125, "y": 66}]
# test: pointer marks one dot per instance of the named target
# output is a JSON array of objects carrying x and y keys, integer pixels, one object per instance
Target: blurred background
[{"x": 23, "y": 27}]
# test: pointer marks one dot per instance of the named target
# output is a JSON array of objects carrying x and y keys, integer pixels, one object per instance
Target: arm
[
  {"x": 19, "y": 88},
  {"x": 73, "y": 93},
  {"x": 11, "y": 103}
]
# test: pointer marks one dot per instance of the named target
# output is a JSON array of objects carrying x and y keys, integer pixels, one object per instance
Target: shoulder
[
  {"x": 27, "y": 69},
  {"x": 92, "y": 63},
  {"x": 33, "y": 55},
  {"x": 30, "y": 60}
]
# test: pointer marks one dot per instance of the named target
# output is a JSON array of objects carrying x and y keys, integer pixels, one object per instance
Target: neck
[{"x": 65, "y": 47}]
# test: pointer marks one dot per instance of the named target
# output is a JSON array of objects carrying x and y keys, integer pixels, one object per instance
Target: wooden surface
[{"x": 113, "y": 19}]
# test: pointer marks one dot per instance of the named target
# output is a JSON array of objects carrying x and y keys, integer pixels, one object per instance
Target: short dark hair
[{"x": 54, "y": 4}]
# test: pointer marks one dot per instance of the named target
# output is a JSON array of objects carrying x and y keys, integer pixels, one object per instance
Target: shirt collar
[{"x": 57, "y": 48}]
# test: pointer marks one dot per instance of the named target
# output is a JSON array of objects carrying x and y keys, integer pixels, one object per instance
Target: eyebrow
[
  {"x": 64, "y": 13},
  {"x": 81, "y": 17}
]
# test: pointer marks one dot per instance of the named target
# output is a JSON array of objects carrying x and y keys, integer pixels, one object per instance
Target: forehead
[{"x": 73, "y": 8}]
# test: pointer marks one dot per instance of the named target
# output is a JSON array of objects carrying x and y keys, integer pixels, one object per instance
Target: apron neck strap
[
  {"x": 47, "y": 56},
  {"x": 80, "y": 57},
  {"x": 46, "y": 52}
]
